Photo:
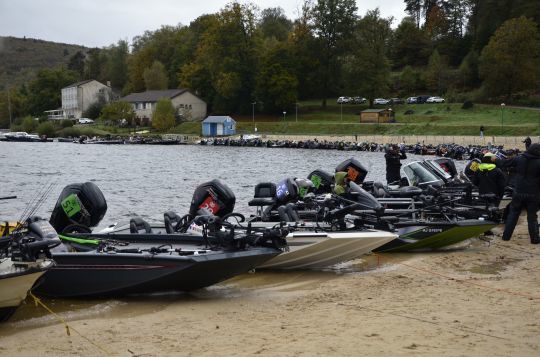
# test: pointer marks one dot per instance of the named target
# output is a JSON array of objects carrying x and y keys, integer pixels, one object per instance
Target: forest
[{"x": 466, "y": 50}]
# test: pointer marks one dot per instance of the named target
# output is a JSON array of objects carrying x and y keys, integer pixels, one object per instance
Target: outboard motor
[
  {"x": 356, "y": 172},
  {"x": 212, "y": 198},
  {"x": 286, "y": 191},
  {"x": 322, "y": 181},
  {"x": 79, "y": 207},
  {"x": 364, "y": 199},
  {"x": 304, "y": 186}
]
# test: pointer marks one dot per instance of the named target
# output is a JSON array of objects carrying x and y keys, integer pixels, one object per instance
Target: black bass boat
[
  {"x": 139, "y": 258},
  {"x": 24, "y": 258}
]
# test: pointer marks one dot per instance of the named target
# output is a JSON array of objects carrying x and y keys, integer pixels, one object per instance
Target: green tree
[
  {"x": 436, "y": 74},
  {"x": 44, "y": 92},
  {"x": 409, "y": 45},
  {"x": 17, "y": 103},
  {"x": 370, "y": 67},
  {"x": 76, "y": 63},
  {"x": 409, "y": 80},
  {"x": 334, "y": 22},
  {"x": 155, "y": 77},
  {"x": 274, "y": 24},
  {"x": 468, "y": 71},
  {"x": 163, "y": 117},
  {"x": 117, "y": 64},
  {"x": 509, "y": 62},
  {"x": 117, "y": 111}
]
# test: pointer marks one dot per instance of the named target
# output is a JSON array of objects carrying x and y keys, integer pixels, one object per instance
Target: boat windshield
[{"x": 420, "y": 176}]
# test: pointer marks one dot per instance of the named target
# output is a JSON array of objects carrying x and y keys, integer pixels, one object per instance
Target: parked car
[
  {"x": 343, "y": 100},
  {"x": 359, "y": 100},
  {"x": 381, "y": 101},
  {"x": 421, "y": 99},
  {"x": 412, "y": 100},
  {"x": 396, "y": 101},
  {"x": 435, "y": 100},
  {"x": 85, "y": 121}
]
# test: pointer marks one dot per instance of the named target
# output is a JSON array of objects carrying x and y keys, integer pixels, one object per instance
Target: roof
[
  {"x": 218, "y": 119},
  {"x": 79, "y": 83},
  {"x": 153, "y": 95},
  {"x": 374, "y": 110}
]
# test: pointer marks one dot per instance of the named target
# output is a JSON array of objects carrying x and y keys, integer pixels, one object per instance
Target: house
[
  {"x": 188, "y": 106},
  {"x": 78, "y": 97},
  {"x": 377, "y": 116},
  {"x": 218, "y": 125}
]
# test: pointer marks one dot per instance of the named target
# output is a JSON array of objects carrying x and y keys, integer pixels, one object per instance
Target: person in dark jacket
[
  {"x": 527, "y": 191},
  {"x": 489, "y": 178},
  {"x": 527, "y": 142},
  {"x": 393, "y": 164}
]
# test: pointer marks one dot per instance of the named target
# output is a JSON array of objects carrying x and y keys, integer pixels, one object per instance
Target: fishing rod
[{"x": 8, "y": 198}]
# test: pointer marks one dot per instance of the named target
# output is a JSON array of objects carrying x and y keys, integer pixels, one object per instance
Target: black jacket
[
  {"x": 527, "y": 166},
  {"x": 489, "y": 179},
  {"x": 393, "y": 165}
]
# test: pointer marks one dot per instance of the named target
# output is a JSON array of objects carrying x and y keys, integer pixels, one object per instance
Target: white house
[
  {"x": 188, "y": 106},
  {"x": 78, "y": 97}
]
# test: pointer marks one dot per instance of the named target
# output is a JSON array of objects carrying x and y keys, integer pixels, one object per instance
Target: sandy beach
[{"x": 481, "y": 298}]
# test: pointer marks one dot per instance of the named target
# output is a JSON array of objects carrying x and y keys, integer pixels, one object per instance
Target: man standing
[
  {"x": 527, "y": 191},
  {"x": 527, "y": 142},
  {"x": 393, "y": 164},
  {"x": 482, "y": 131}
]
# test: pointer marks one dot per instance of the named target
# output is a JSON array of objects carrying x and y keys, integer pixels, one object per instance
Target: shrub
[
  {"x": 66, "y": 123},
  {"x": 409, "y": 112},
  {"x": 47, "y": 129},
  {"x": 69, "y": 132},
  {"x": 467, "y": 105}
]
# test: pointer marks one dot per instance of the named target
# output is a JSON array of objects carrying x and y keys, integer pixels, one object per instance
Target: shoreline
[{"x": 476, "y": 300}]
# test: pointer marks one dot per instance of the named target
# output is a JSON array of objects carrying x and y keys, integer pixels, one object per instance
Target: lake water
[{"x": 150, "y": 180}]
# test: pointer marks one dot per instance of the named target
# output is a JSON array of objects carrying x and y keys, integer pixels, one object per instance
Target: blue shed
[{"x": 218, "y": 125}]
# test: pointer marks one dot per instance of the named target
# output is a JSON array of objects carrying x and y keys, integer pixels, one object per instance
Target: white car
[
  {"x": 381, "y": 101},
  {"x": 85, "y": 121},
  {"x": 343, "y": 100},
  {"x": 435, "y": 100}
]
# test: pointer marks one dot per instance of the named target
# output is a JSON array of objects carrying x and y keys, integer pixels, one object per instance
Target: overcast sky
[{"x": 98, "y": 23}]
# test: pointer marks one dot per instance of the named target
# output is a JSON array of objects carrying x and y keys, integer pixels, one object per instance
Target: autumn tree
[
  {"x": 334, "y": 22},
  {"x": 509, "y": 62},
  {"x": 274, "y": 24},
  {"x": 163, "y": 117},
  {"x": 155, "y": 77}
]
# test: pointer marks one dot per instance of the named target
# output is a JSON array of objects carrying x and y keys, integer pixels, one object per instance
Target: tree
[
  {"x": 117, "y": 64},
  {"x": 509, "y": 62},
  {"x": 117, "y": 111},
  {"x": 275, "y": 24},
  {"x": 334, "y": 22},
  {"x": 468, "y": 70},
  {"x": 155, "y": 77},
  {"x": 29, "y": 124},
  {"x": 44, "y": 92},
  {"x": 410, "y": 45},
  {"x": 436, "y": 73},
  {"x": 409, "y": 80},
  {"x": 369, "y": 67},
  {"x": 76, "y": 63},
  {"x": 163, "y": 117}
]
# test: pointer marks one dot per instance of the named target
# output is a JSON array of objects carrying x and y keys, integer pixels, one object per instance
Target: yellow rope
[{"x": 37, "y": 301}]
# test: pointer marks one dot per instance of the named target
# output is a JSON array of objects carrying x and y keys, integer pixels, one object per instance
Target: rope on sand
[
  {"x": 37, "y": 301},
  {"x": 508, "y": 291}
]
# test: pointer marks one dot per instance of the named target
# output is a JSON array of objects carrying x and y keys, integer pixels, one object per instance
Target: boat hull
[
  {"x": 430, "y": 236},
  {"x": 310, "y": 250},
  {"x": 15, "y": 284},
  {"x": 103, "y": 274}
]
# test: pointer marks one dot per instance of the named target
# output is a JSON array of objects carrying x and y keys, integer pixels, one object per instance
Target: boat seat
[
  {"x": 406, "y": 192},
  {"x": 265, "y": 195},
  {"x": 171, "y": 220},
  {"x": 138, "y": 225}
]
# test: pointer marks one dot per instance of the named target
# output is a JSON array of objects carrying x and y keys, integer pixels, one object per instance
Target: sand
[{"x": 476, "y": 300}]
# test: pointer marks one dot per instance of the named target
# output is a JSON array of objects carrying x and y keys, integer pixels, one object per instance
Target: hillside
[{"x": 20, "y": 58}]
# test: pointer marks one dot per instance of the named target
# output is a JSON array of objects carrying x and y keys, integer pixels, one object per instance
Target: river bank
[{"x": 477, "y": 300}]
